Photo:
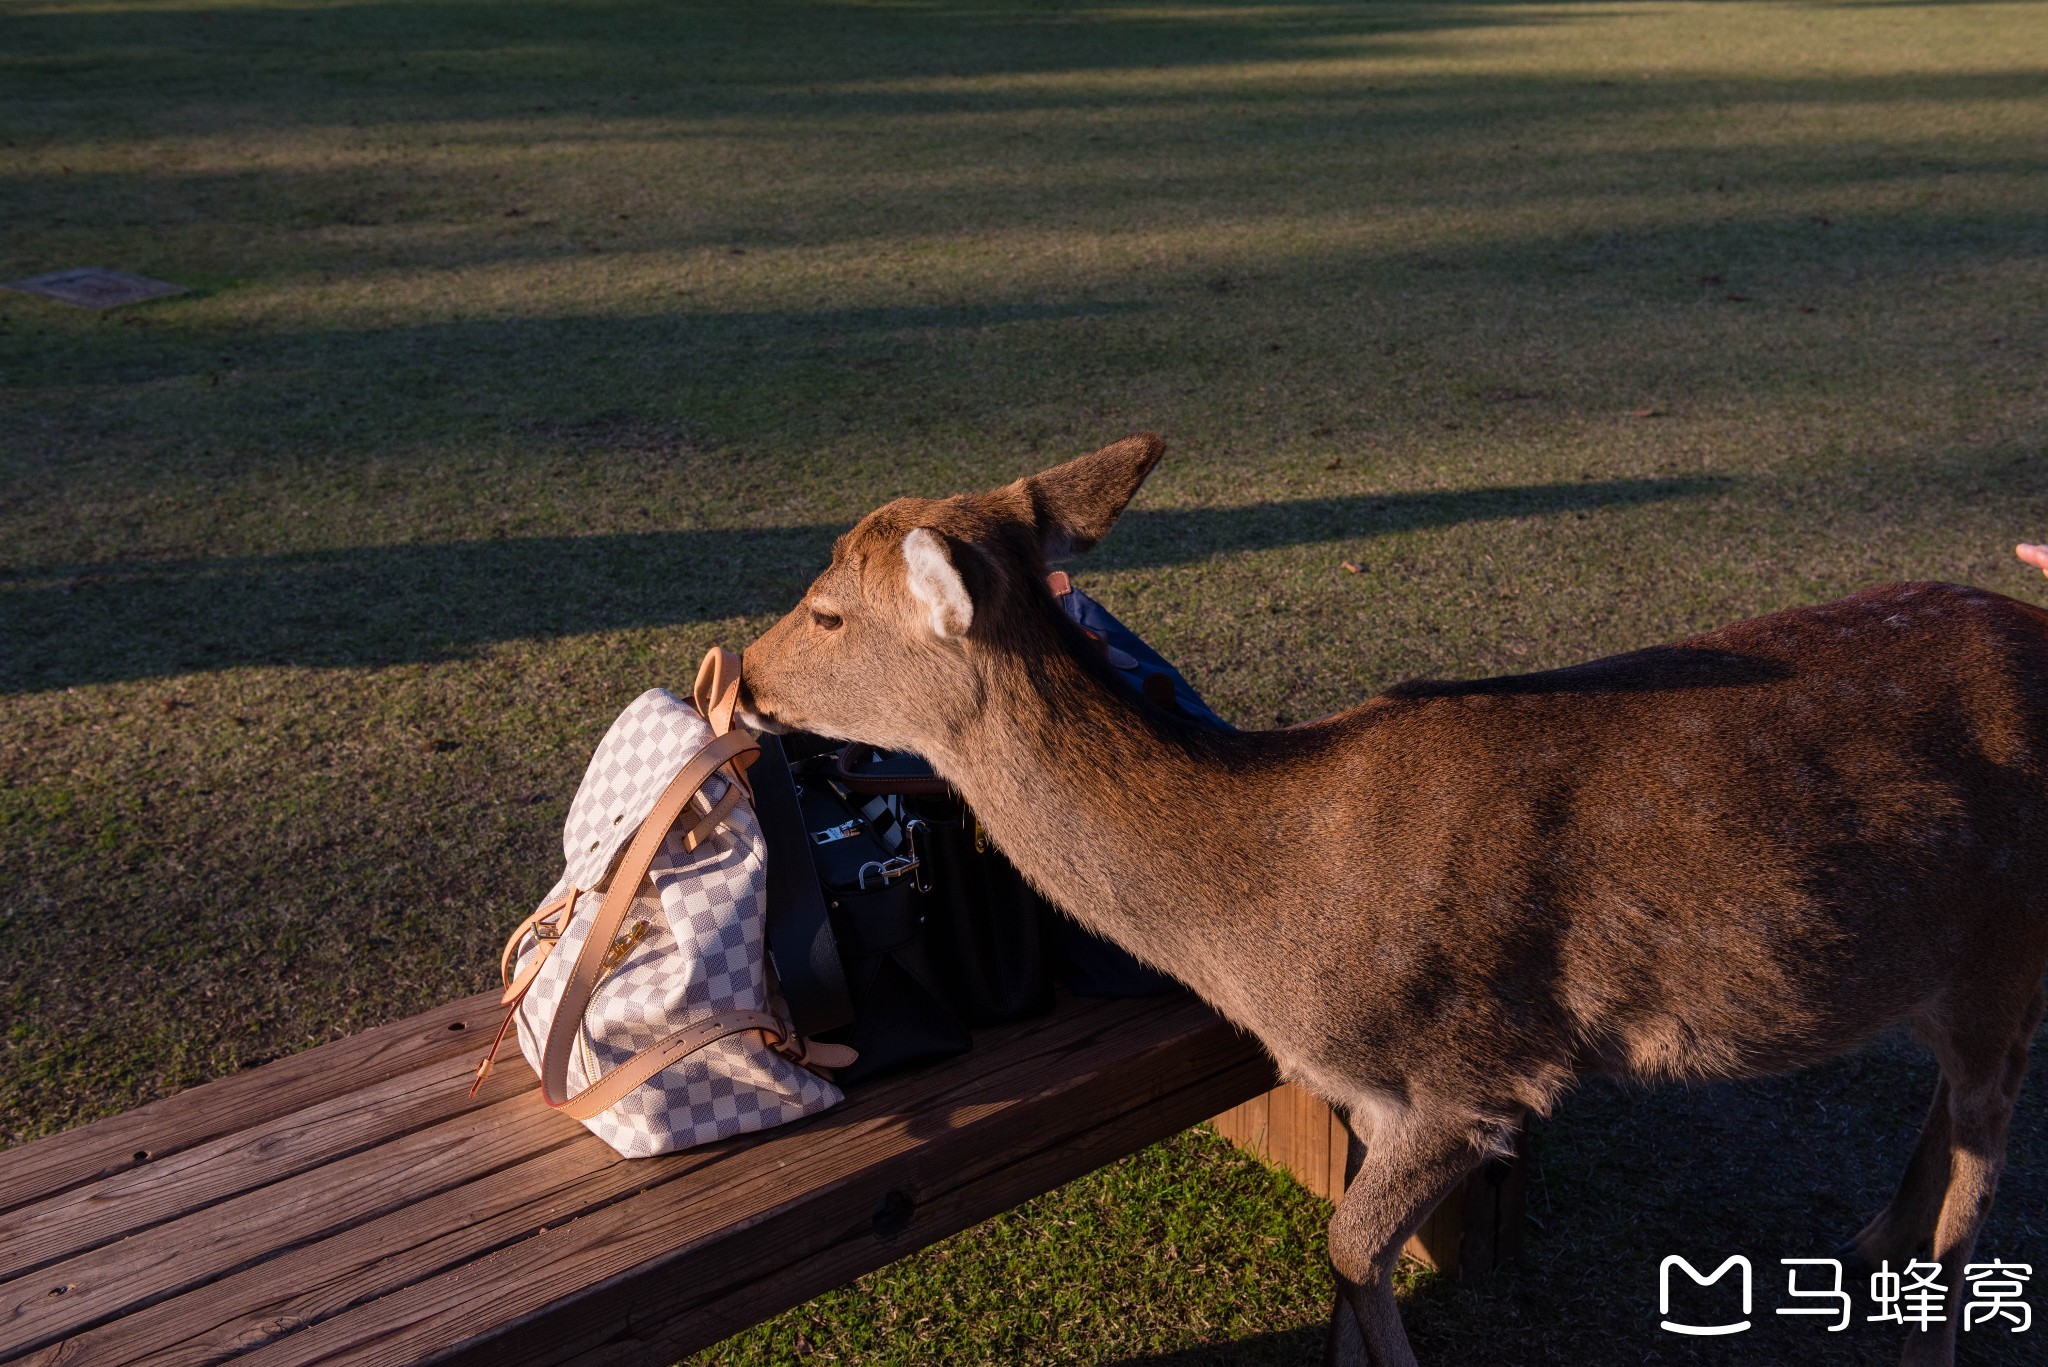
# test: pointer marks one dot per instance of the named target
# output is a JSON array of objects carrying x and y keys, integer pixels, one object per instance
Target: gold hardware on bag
[
  {"x": 549, "y": 926},
  {"x": 980, "y": 837},
  {"x": 621, "y": 947}
]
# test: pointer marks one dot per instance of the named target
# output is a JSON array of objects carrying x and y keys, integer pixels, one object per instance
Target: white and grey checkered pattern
[{"x": 705, "y": 912}]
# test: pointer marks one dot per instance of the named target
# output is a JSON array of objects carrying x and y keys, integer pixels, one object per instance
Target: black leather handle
[
  {"x": 863, "y": 769},
  {"x": 800, "y": 939}
]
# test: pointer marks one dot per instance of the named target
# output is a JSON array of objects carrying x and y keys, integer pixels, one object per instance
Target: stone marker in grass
[{"x": 89, "y": 287}]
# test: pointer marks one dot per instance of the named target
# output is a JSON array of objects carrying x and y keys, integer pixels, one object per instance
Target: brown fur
[{"x": 1738, "y": 854}]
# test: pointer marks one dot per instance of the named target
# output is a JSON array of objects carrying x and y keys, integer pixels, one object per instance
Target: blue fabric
[{"x": 1136, "y": 660}]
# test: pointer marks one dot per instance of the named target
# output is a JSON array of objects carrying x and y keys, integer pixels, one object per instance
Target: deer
[{"x": 1739, "y": 854}]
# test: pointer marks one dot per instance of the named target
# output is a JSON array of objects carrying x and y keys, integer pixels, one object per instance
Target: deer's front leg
[{"x": 1411, "y": 1161}]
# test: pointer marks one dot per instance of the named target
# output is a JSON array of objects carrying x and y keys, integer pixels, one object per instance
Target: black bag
[
  {"x": 989, "y": 930},
  {"x": 1000, "y": 946},
  {"x": 867, "y": 878},
  {"x": 802, "y": 946}
]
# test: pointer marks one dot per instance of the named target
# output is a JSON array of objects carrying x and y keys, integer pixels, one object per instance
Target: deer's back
[{"x": 1734, "y": 854}]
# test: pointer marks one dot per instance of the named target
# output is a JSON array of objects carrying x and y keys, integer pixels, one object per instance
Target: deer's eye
[{"x": 825, "y": 621}]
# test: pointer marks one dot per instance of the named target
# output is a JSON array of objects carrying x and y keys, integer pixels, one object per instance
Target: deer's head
[{"x": 894, "y": 644}]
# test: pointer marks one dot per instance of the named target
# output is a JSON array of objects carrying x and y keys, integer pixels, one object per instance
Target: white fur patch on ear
[{"x": 936, "y": 583}]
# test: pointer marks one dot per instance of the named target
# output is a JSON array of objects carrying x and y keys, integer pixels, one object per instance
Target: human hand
[{"x": 2037, "y": 556}]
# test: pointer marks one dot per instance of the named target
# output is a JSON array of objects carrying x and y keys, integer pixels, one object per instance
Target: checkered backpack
[{"x": 640, "y": 987}]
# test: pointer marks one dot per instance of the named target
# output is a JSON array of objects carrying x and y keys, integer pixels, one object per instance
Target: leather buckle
[{"x": 548, "y": 926}]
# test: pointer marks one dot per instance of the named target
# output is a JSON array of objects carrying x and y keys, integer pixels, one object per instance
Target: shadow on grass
[
  {"x": 381, "y": 605},
  {"x": 1760, "y": 252},
  {"x": 493, "y": 61},
  {"x": 1281, "y": 1348},
  {"x": 1195, "y": 92},
  {"x": 1749, "y": 305},
  {"x": 1429, "y": 135}
]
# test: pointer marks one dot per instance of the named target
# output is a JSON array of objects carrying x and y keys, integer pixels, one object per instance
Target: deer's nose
[
  {"x": 760, "y": 721},
  {"x": 750, "y": 712}
]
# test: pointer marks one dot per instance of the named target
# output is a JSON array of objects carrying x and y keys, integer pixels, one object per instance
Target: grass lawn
[{"x": 536, "y": 345}]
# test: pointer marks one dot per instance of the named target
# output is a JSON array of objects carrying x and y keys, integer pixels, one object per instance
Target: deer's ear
[
  {"x": 935, "y": 582},
  {"x": 1077, "y": 503}
]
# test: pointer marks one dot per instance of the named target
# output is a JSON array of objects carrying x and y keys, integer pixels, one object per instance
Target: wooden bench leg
[{"x": 1472, "y": 1231}]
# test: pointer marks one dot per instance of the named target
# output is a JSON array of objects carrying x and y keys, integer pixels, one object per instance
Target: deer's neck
[{"x": 1159, "y": 844}]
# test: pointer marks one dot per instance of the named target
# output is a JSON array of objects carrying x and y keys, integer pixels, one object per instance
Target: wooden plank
[
  {"x": 170, "y": 1258},
  {"x": 151, "y": 1133},
  {"x": 1299, "y": 1137},
  {"x": 1490, "y": 1230},
  {"x": 1291, "y": 1128},
  {"x": 87, "y": 1216},
  {"x": 304, "y": 1285},
  {"x": 984, "y": 1131},
  {"x": 1245, "y": 1125},
  {"x": 1339, "y": 1146},
  {"x": 1440, "y": 1241},
  {"x": 280, "y": 1296},
  {"x": 658, "y": 1333}
]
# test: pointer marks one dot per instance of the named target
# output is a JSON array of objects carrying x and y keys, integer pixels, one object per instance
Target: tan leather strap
[
  {"x": 718, "y": 688},
  {"x": 483, "y": 1069},
  {"x": 731, "y": 751},
  {"x": 815, "y": 1054},
  {"x": 717, "y": 695},
  {"x": 612, "y": 1088},
  {"x": 515, "y": 988},
  {"x": 566, "y": 905}
]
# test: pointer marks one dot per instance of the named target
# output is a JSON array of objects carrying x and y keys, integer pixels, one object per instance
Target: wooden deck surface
[{"x": 350, "y": 1204}]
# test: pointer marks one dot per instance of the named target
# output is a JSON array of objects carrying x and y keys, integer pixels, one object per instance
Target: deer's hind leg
[
  {"x": 1412, "y": 1159},
  {"x": 1906, "y": 1224},
  {"x": 1983, "y": 1068}
]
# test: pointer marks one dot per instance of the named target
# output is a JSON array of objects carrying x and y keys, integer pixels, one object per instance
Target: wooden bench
[{"x": 351, "y": 1204}]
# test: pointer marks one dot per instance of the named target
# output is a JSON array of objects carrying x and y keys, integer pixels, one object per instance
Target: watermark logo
[
  {"x": 1912, "y": 1297},
  {"x": 1736, "y": 1261},
  {"x": 1995, "y": 1291},
  {"x": 1833, "y": 1292}
]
